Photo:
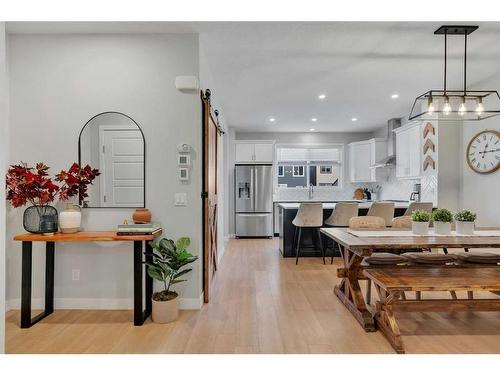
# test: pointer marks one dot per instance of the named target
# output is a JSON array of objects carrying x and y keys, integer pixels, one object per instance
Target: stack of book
[{"x": 138, "y": 229}]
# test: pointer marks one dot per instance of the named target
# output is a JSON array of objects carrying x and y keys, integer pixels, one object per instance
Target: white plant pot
[
  {"x": 165, "y": 311},
  {"x": 70, "y": 219},
  {"x": 419, "y": 227},
  {"x": 442, "y": 228},
  {"x": 465, "y": 227}
]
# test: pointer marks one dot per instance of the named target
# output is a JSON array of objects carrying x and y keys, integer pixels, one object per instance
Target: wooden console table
[{"x": 141, "y": 244}]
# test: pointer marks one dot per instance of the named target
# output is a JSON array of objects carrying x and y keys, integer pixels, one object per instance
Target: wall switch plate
[
  {"x": 180, "y": 199},
  {"x": 75, "y": 275}
]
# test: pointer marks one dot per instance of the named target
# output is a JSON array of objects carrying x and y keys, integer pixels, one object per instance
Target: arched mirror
[{"x": 114, "y": 143}]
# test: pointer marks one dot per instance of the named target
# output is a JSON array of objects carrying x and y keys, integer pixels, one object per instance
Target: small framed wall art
[
  {"x": 183, "y": 160},
  {"x": 184, "y": 174}
]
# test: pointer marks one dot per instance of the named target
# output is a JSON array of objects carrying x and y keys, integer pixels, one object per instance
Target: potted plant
[
  {"x": 75, "y": 182},
  {"x": 420, "y": 222},
  {"x": 465, "y": 222},
  {"x": 442, "y": 221},
  {"x": 167, "y": 263},
  {"x": 33, "y": 185}
]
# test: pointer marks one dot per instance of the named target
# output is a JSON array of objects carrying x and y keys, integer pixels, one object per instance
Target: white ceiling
[{"x": 277, "y": 69}]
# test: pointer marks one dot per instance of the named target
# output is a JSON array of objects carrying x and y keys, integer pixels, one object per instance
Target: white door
[
  {"x": 264, "y": 152},
  {"x": 244, "y": 152},
  {"x": 122, "y": 163}
]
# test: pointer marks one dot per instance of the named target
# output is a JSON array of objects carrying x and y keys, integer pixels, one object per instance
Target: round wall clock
[{"x": 483, "y": 152}]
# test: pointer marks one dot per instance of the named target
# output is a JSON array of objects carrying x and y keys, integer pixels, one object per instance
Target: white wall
[
  {"x": 449, "y": 134},
  {"x": 3, "y": 162},
  {"x": 479, "y": 192},
  {"x": 57, "y": 83}
]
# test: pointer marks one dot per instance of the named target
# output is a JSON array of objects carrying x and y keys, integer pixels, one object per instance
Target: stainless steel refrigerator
[{"x": 254, "y": 200}]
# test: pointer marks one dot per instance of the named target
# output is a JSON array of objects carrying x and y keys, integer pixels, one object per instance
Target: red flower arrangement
[
  {"x": 33, "y": 185},
  {"x": 76, "y": 181},
  {"x": 26, "y": 184}
]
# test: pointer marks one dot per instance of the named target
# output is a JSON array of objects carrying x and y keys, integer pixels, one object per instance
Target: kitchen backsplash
[{"x": 391, "y": 188}]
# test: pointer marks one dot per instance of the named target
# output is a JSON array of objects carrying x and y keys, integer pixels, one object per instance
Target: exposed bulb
[
  {"x": 446, "y": 107},
  {"x": 430, "y": 106},
  {"x": 462, "y": 109},
  {"x": 479, "y": 108}
]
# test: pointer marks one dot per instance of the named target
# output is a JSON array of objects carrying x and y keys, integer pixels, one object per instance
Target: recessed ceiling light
[
  {"x": 354, "y": 119},
  {"x": 321, "y": 96},
  {"x": 395, "y": 96},
  {"x": 272, "y": 119},
  {"x": 314, "y": 119},
  {"x": 312, "y": 129}
]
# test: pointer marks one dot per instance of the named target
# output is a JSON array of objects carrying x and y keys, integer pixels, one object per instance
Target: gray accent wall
[{"x": 58, "y": 82}]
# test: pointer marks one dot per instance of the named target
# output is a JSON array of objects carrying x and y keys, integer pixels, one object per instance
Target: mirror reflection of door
[
  {"x": 114, "y": 143},
  {"x": 121, "y": 163}
]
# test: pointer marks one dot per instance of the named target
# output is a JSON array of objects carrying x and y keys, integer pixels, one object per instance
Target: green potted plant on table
[
  {"x": 420, "y": 222},
  {"x": 442, "y": 221},
  {"x": 167, "y": 263},
  {"x": 465, "y": 222}
]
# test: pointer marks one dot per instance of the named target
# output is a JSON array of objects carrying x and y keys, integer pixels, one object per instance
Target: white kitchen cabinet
[
  {"x": 264, "y": 152},
  {"x": 409, "y": 151},
  {"x": 254, "y": 152},
  {"x": 362, "y": 156}
]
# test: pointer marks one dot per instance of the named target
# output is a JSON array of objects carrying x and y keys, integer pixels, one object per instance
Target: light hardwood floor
[{"x": 261, "y": 303}]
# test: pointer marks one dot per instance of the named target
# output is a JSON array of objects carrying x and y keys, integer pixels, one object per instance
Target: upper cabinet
[
  {"x": 362, "y": 156},
  {"x": 254, "y": 152},
  {"x": 408, "y": 151}
]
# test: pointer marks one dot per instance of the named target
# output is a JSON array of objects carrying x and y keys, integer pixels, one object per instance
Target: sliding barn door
[{"x": 209, "y": 195}]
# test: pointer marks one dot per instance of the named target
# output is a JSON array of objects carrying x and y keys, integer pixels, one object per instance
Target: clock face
[{"x": 483, "y": 152}]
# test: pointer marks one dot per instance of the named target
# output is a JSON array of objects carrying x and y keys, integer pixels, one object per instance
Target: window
[
  {"x": 325, "y": 169},
  {"x": 281, "y": 171},
  {"x": 298, "y": 171},
  {"x": 301, "y": 167}
]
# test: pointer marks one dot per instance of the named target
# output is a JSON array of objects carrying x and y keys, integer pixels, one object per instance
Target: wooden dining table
[{"x": 353, "y": 248}]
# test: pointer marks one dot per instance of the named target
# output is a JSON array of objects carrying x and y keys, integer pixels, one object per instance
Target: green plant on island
[
  {"x": 465, "y": 215},
  {"x": 420, "y": 216},
  {"x": 442, "y": 215},
  {"x": 167, "y": 263}
]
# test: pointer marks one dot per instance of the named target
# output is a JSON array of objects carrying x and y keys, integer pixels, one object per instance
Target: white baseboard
[
  {"x": 191, "y": 303},
  {"x": 98, "y": 303}
]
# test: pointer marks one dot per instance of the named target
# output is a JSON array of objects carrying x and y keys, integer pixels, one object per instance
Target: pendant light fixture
[{"x": 453, "y": 105}]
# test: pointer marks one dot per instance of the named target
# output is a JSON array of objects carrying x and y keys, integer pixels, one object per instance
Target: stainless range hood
[{"x": 390, "y": 159}]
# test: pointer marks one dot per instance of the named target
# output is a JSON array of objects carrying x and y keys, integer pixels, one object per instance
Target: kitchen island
[{"x": 287, "y": 212}]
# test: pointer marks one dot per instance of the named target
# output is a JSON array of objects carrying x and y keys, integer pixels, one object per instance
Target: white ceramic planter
[
  {"x": 465, "y": 227},
  {"x": 419, "y": 227},
  {"x": 165, "y": 311},
  {"x": 442, "y": 228},
  {"x": 70, "y": 219}
]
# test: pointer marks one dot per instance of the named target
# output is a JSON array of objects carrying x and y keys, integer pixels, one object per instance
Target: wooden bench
[{"x": 391, "y": 283}]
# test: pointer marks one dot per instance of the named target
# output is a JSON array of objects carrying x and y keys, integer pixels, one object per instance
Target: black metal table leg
[
  {"x": 149, "y": 282},
  {"x": 141, "y": 315},
  {"x": 138, "y": 314},
  {"x": 26, "y": 320},
  {"x": 26, "y": 284},
  {"x": 49, "y": 277}
]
